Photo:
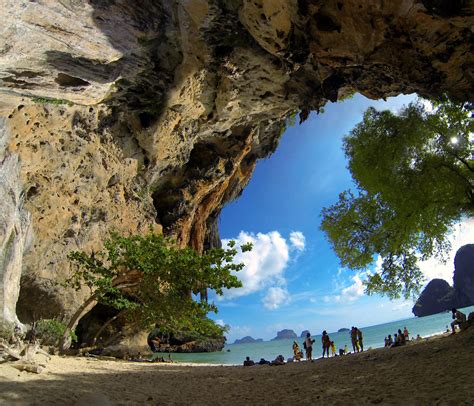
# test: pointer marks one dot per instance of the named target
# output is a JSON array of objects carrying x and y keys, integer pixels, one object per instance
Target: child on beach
[
  {"x": 360, "y": 339},
  {"x": 333, "y": 348},
  {"x": 297, "y": 354}
]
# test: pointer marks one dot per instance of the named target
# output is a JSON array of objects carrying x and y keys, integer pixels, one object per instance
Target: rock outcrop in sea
[
  {"x": 285, "y": 334},
  {"x": 125, "y": 115},
  {"x": 439, "y": 296},
  {"x": 248, "y": 340}
]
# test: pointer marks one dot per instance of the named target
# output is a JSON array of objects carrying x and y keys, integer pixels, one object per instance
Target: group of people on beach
[
  {"x": 327, "y": 345},
  {"x": 399, "y": 338},
  {"x": 308, "y": 346},
  {"x": 402, "y": 337}
]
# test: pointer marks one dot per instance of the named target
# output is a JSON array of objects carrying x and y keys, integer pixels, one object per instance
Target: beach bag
[{"x": 304, "y": 344}]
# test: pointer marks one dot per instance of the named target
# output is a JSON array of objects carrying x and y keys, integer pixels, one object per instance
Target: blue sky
[{"x": 292, "y": 278}]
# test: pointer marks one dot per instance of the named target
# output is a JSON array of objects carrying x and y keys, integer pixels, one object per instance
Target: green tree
[
  {"x": 151, "y": 280},
  {"x": 414, "y": 175}
]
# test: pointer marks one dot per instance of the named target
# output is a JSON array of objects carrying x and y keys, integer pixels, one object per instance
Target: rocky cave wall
[{"x": 126, "y": 114}]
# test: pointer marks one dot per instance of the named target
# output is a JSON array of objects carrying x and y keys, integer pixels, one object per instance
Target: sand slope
[{"x": 437, "y": 372}]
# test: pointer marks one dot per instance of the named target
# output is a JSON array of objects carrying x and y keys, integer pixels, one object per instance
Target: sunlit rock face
[
  {"x": 15, "y": 230},
  {"x": 172, "y": 103}
]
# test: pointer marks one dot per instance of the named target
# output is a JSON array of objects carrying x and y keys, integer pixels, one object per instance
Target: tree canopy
[
  {"x": 151, "y": 279},
  {"x": 414, "y": 177}
]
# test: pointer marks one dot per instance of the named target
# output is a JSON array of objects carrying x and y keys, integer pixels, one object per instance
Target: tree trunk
[
  {"x": 65, "y": 341},
  {"x": 203, "y": 294},
  {"x": 87, "y": 306},
  {"x": 104, "y": 326}
]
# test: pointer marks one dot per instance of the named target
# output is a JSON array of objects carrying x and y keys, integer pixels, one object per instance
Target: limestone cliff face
[
  {"x": 79, "y": 183},
  {"x": 463, "y": 279},
  {"x": 439, "y": 296},
  {"x": 15, "y": 230},
  {"x": 159, "y": 110}
]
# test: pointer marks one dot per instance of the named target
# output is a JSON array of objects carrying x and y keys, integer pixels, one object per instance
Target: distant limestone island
[
  {"x": 248, "y": 340},
  {"x": 304, "y": 333},
  {"x": 285, "y": 334},
  {"x": 439, "y": 296}
]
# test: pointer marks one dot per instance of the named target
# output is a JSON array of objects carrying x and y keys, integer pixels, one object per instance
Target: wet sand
[{"x": 438, "y": 371}]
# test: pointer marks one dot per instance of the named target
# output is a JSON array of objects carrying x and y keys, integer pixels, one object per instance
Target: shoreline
[
  {"x": 436, "y": 370},
  {"x": 411, "y": 342}
]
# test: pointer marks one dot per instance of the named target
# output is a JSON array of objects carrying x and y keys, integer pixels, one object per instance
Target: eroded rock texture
[
  {"x": 173, "y": 102},
  {"x": 15, "y": 230}
]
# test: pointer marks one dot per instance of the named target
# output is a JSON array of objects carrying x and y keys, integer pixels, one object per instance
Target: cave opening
[
  {"x": 146, "y": 119},
  {"x": 99, "y": 326},
  {"x": 70, "y": 81},
  {"x": 39, "y": 298}
]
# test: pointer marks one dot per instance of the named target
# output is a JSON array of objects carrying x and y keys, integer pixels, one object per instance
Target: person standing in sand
[
  {"x": 308, "y": 346},
  {"x": 355, "y": 344},
  {"x": 326, "y": 343},
  {"x": 406, "y": 334}
]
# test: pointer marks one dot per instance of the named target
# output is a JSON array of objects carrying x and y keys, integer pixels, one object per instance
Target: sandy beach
[{"x": 437, "y": 371}]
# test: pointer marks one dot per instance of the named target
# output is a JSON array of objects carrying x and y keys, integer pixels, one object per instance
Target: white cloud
[
  {"x": 276, "y": 297},
  {"x": 238, "y": 332},
  {"x": 220, "y": 322},
  {"x": 462, "y": 234},
  {"x": 264, "y": 265},
  {"x": 298, "y": 240},
  {"x": 427, "y": 105},
  {"x": 353, "y": 292},
  {"x": 350, "y": 293}
]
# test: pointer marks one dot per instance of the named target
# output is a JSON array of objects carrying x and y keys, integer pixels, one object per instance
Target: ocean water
[{"x": 373, "y": 337}]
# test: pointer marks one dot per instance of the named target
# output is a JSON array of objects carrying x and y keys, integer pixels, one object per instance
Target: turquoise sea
[{"x": 373, "y": 337}]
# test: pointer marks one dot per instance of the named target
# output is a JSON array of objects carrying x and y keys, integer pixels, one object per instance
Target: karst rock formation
[
  {"x": 131, "y": 114},
  {"x": 439, "y": 296}
]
